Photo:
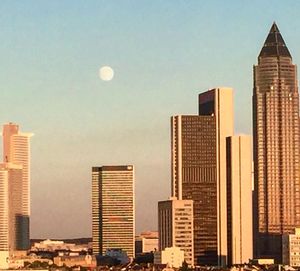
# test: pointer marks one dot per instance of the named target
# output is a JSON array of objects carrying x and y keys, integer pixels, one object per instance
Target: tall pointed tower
[{"x": 276, "y": 146}]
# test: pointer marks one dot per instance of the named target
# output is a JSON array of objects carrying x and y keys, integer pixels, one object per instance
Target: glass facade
[
  {"x": 113, "y": 209},
  {"x": 276, "y": 146}
]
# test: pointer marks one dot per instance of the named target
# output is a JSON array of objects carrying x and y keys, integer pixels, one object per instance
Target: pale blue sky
[{"x": 163, "y": 52}]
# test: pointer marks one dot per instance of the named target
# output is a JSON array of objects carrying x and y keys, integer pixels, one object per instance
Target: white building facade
[{"x": 175, "y": 226}]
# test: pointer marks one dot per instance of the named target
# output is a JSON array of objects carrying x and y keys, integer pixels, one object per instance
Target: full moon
[{"x": 106, "y": 73}]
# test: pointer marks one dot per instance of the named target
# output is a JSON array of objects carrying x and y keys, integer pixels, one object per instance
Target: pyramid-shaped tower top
[{"x": 274, "y": 44}]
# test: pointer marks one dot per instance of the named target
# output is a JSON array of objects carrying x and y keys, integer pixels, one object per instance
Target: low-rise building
[
  {"x": 119, "y": 255},
  {"x": 19, "y": 260},
  {"x": 175, "y": 226},
  {"x": 57, "y": 245},
  {"x": 262, "y": 261},
  {"x": 146, "y": 242},
  {"x": 87, "y": 261},
  {"x": 291, "y": 248},
  {"x": 172, "y": 256}
]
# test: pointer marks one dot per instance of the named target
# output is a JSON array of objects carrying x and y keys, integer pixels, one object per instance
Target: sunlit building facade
[
  {"x": 291, "y": 248},
  {"x": 212, "y": 167},
  {"x": 276, "y": 147},
  {"x": 113, "y": 209},
  {"x": 175, "y": 226},
  {"x": 16, "y": 156},
  {"x": 199, "y": 171},
  {"x": 239, "y": 199},
  {"x": 14, "y": 193}
]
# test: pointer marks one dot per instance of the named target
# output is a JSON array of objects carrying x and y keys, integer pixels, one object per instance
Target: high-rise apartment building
[
  {"x": 113, "y": 209},
  {"x": 175, "y": 226},
  {"x": 276, "y": 147},
  {"x": 205, "y": 169}
]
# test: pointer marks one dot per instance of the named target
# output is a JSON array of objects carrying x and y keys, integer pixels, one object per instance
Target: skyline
[{"x": 51, "y": 87}]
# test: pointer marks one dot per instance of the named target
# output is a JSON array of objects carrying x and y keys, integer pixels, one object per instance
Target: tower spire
[{"x": 274, "y": 44}]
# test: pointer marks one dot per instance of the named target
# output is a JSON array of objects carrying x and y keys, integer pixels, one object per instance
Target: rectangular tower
[
  {"x": 16, "y": 153},
  {"x": 113, "y": 209},
  {"x": 199, "y": 171},
  {"x": 276, "y": 147},
  {"x": 239, "y": 199},
  {"x": 175, "y": 226}
]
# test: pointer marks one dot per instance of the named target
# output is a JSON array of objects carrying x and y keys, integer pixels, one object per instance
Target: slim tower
[
  {"x": 239, "y": 199},
  {"x": 113, "y": 209},
  {"x": 276, "y": 146},
  {"x": 16, "y": 155}
]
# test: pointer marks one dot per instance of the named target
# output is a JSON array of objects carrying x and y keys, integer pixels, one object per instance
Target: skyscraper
[
  {"x": 276, "y": 146},
  {"x": 16, "y": 152},
  {"x": 113, "y": 209},
  {"x": 175, "y": 226},
  {"x": 16, "y": 149},
  {"x": 209, "y": 168},
  {"x": 199, "y": 171},
  {"x": 14, "y": 193}
]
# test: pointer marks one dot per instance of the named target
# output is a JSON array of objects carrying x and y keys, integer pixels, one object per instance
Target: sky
[{"x": 164, "y": 53}]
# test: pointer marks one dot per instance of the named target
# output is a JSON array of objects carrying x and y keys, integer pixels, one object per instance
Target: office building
[
  {"x": 113, "y": 210},
  {"x": 276, "y": 147},
  {"x": 291, "y": 248},
  {"x": 14, "y": 193},
  {"x": 199, "y": 171},
  {"x": 175, "y": 226},
  {"x": 16, "y": 150},
  {"x": 205, "y": 169},
  {"x": 15, "y": 179},
  {"x": 239, "y": 199}
]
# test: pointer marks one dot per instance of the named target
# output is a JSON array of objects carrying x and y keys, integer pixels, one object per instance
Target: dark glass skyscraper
[{"x": 276, "y": 146}]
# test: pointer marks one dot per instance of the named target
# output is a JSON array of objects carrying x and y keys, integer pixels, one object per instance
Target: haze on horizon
[{"x": 163, "y": 53}]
